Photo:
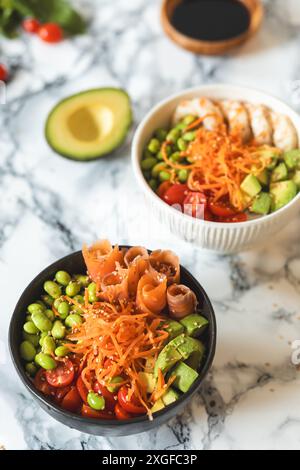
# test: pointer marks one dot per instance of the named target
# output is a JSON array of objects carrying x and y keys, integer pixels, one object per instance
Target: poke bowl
[
  {"x": 233, "y": 152},
  {"x": 58, "y": 384}
]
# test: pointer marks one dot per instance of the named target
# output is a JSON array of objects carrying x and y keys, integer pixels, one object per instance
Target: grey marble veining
[{"x": 49, "y": 206}]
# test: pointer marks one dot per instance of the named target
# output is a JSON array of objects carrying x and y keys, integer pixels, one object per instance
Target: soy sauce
[{"x": 211, "y": 20}]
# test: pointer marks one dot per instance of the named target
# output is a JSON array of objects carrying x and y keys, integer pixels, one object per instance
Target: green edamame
[
  {"x": 27, "y": 351},
  {"x": 61, "y": 351},
  {"x": 189, "y": 136},
  {"x": 154, "y": 146},
  {"x": 153, "y": 184},
  {"x": 149, "y": 163},
  {"x": 173, "y": 135},
  {"x": 57, "y": 303},
  {"x": 34, "y": 339},
  {"x": 36, "y": 307},
  {"x": 48, "y": 300},
  {"x": 48, "y": 345},
  {"x": 63, "y": 278},
  {"x": 73, "y": 288},
  {"x": 164, "y": 176},
  {"x": 42, "y": 337},
  {"x": 31, "y": 369},
  {"x": 175, "y": 157},
  {"x": 41, "y": 321},
  {"x": 59, "y": 330},
  {"x": 52, "y": 289},
  {"x": 45, "y": 361},
  {"x": 97, "y": 402},
  {"x": 82, "y": 279},
  {"x": 188, "y": 120},
  {"x": 157, "y": 169},
  {"x": 49, "y": 314},
  {"x": 161, "y": 134},
  {"x": 92, "y": 291},
  {"x": 115, "y": 384},
  {"x": 183, "y": 176},
  {"x": 30, "y": 328},
  {"x": 63, "y": 310},
  {"x": 73, "y": 320},
  {"x": 182, "y": 144}
]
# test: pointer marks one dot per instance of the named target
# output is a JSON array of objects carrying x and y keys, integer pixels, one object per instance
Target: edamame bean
[
  {"x": 157, "y": 169},
  {"x": 31, "y": 369},
  {"x": 45, "y": 361},
  {"x": 49, "y": 314},
  {"x": 147, "y": 154},
  {"x": 41, "y": 321},
  {"x": 48, "y": 300},
  {"x": 97, "y": 402},
  {"x": 30, "y": 328},
  {"x": 63, "y": 278},
  {"x": 189, "y": 119},
  {"x": 48, "y": 345},
  {"x": 34, "y": 339},
  {"x": 52, "y": 289},
  {"x": 161, "y": 134},
  {"x": 43, "y": 336},
  {"x": 115, "y": 384},
  {"x": 149, "y": 163},
  {"x": 33, "y": 308},
  {"x": 73, "y": 320},
  {"x": 164, "y": 176},
  {"x": 63, "y": 310},
  {"x": 154, "y": 146},
  {"x": 73, "y": 288},
  {"x": 27, "y": 351},
  {"x": 189, "y": 136},
  {"x": 153, "y": 184},
  {"x": 82, "y": 279},
  {"x": 181, "y": 126},
  {"x": 173, "y": 135},
  {"x": 183, "y": 176},
  {"x": 61, "y": 351},
  {"x": 182, "y": 144},
  {"x": 59, "y": 330},
  {"x": 57, "y": 303},
  {"x": 175, "y": 157},
  {"x": 79, "y": 299},
  {"x": 92, "y": 290}
]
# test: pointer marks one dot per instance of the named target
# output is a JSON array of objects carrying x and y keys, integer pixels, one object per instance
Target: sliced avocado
[
  {"x": 170, "y": 397},
  {"x": 292, "y": 159},
  {"x": 185, "y": 377},
  {"x": 296, "y": 179},
  {"x": 269, "y": 157},
  {"x": 90, "y": 124},
  {"x": 158, "y": 406},
  {"x": 167, "y": 358},
  {"x": 251, "y": 186},
  {"x": 192, "y": 351},
  {"x": 282, "y": 193},
  {"x": 148, "y": 380},
  {"x": 280, "y": 173},
  {"x": 264, "y": 177},
  {"x": 261, "y": 204},
  {"x": 174, "y": 328},
  {"x": 194, "y": 325}
]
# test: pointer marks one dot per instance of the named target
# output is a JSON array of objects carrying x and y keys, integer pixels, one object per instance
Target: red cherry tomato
[
  {"x": 221, "y": 209},
  {"x": 236, "y": 218},
  {"x": 61, "y": 393},
  {"x": 163, "y": 188},
  {"x": 108, "y": 363},
  {"x": 41, "y": 384},
  {"x": 62, "y": 376},
  {"x": 88, "y": 412},
  {"x": 72, "y": 401},
  {"x": 176, "y": 194},
  {"x": 82, "y": 390},
  {"x": 51, "y": 32},
  {"x": 3, "y": 73},
  {"x": 31, "y": 25},
  {"x": 120, "y": 413},
  {"x": 132, "y": 405},
  {"x": 194, "y": 203},
  {"x": 109, "y": 397}
]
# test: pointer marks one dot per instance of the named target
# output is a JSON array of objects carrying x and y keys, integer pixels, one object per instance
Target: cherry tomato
[
  {"x": 31, "y": 25},
  {"x": 176, "y": 194},
  {"x": 88, "y": 412},
  {"x": 236, "y": 218},
  {"x": 193, "y": 204},
  {"x": 109, "y": 397},
  {"x": 120, "y": 413},
  {"x": 72, "y": 401},
  {"x": 208, "y": 216},
  {"x": 61, "y": 393},
  {"x": 132, "y": 405},
  {"x": 221, "y": 209},
  {"x": 108, "y": 363},
  {"x": 82, "y": 390},
  {"x": 51, "y": 32},
  {"x": 41, "y": 384},
  {"x": 62, "y": 376},
  {"x": 3, "y": 73},
  {"x": 163, "y": 188}
]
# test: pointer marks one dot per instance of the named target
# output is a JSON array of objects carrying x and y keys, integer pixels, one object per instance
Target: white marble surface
[{"x": 49, "y": 206}]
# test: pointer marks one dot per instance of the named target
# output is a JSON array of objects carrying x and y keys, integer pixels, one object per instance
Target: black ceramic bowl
[{"x": 74, "y": 263}]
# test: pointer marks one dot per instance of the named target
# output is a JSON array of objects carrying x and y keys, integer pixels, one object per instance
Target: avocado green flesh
[
  {"x": 174, "y": 328},
  {"x": 185, "y": 377},
  {"x": 282, "y": 193},
  {"x": 90, "y": 124},
  {"x": 170, "y": 397},
  {"x": 194, "y": 325}
]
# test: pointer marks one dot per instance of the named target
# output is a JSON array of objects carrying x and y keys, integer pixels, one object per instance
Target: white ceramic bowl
[{"x": 215, "y": 236}]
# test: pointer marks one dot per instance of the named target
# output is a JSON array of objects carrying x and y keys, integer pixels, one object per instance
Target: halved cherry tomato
[
  {"x": 176, "y": 194},
  {"x": 132, "y": 405},
  {"x": 194, "y": 203},
  {"x": 51, "y": 32},
  {"x": 31, "y": 25},
  {"x": 236, "y": 218},
  {"x": 163, "y": 188},
  {"x": 120, "y": 413},
  {"x": 109, "y": 397},
  {"x": 41, "y": 384},
  {"x": 221, "y": 209},
  {"x": 62, "y": 376},
  {"x": 88, "y": 412},
  {"x": 61, "y": 393},
  {"x": 72, "y": 401},
  {"x": 3, "y": 73},
  {"x": 82, "y": 390}
]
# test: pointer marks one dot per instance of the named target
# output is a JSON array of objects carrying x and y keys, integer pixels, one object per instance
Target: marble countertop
[{"x": 49, "y": 206}]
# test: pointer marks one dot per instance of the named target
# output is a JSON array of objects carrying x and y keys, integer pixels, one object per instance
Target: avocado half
[{"x": 90, "y": 124}]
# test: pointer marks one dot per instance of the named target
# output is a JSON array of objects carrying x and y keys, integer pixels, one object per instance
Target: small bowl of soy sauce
[{"x": 211, "y": 27}]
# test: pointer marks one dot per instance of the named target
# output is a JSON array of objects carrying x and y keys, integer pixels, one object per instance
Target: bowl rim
[
  {"x": 16, "y": 360},
  {"x": 135, "y": 157}
]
